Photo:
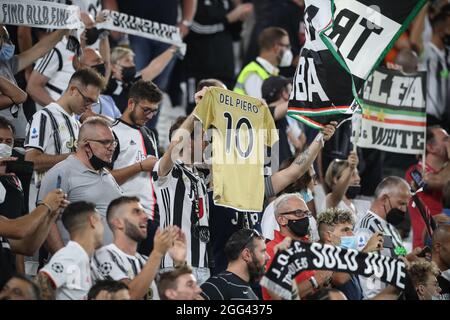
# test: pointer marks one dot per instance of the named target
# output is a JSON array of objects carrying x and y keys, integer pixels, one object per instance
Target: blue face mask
[
  {"x": 306, "y": 195},
  {"x": 7, "y": 51},
  {"x": 348, "y": 242}
]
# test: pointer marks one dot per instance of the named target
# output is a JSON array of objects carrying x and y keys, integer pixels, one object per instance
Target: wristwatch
[{"x": 187, "y": 23}]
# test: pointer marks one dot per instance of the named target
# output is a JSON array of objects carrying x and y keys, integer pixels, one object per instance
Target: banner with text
[
  {"x": 363, "y": 31},
  {"x": 394, "y": 116},
  {"x": 122, "y": 22},
  {"x": 301, "y": 256},
  {"x": 322, "y": 90},
  {"x": 40, "y": 14}
]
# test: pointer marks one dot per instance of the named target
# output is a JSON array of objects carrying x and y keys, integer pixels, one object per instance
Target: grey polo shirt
[{"x": 82, "y": 184}]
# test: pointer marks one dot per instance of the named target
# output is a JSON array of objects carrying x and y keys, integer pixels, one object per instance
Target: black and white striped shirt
[
  {"x": 53, "y": 131},
  {"x": 57, "y": 66},
  {"x": 111, "y": 263},
  {"x": 364, "y": 229},
  {"x": 176, "y": 194}
]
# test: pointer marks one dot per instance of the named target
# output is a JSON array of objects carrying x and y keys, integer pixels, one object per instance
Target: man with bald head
[
  {"x": 292, "y": 215},
  {"x": 92, "y": 59},
  {"x": 387, "y": 211},
  {"x": 84, "y": 176},
  {"x": 440, "y": 254}
]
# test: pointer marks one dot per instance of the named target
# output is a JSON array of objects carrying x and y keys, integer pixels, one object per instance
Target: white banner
[
  {"x": 40, "y": 14},
  {"x": 121, "y": 22}
]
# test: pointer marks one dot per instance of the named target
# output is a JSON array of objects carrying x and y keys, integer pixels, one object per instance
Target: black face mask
[
  {"x": 353, "y": 191},
  {"x": 299, "y": 227},
  {"x": 100, "y": 68},
  {"x": 395, "y": 216},
  {"x": 98, "y": 163},
  {"x": 128, "y": 74},
  {"x": 92, "y": 36}
]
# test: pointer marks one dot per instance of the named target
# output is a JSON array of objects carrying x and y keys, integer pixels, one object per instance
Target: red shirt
[
  {"x": 432, "y": 199},
  {"x": 302, "y": 276}
]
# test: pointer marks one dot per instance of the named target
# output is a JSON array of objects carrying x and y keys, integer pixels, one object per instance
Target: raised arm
[
  {"x": 303, "y": 162},
  {"x": 29, "y": 56},
  {"x": 10, "y": 93},
  {"x": 338, "y": 192},
  {"x": 140, "y": 284}
]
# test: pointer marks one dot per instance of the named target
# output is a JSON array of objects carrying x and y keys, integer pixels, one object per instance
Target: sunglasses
[{"x": 253, "y": 234}]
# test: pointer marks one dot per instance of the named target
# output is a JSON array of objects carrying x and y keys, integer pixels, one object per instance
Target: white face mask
[
  {"x": 286, "y": 59},
  {"x": 5, "y": 150}
]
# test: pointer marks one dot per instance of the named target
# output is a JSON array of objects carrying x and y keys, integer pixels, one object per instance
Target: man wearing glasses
[
  {"x": 53, "y": 131},
  {"x": 137, "y": 151},
  {"x": 292, "y": 215},
  {"x": 84, "y": 177}
]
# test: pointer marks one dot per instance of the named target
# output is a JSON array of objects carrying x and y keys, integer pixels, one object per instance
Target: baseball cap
[{"x": 272, "y": 87}]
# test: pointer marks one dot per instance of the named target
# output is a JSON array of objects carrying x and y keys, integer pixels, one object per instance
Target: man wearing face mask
[
  {"x": 292, "y": 215},
  {"x": 247, "y": 257},
  {"x": 336, "y": 228},
  {"x": 387, "y": 211},
  {"x": 84, "y": 176},
  {"x": 52, "y": 133},
  {"x": 106, "y": 106},
  {"x": 274, "y": 52},
  {"x": 52, "y": 72}
]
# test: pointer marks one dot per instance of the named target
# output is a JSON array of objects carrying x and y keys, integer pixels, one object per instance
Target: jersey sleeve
[
  {"x": 205, "y": 109},
  {"x": 59, "y": 269},
  {"x": 160, "y": 181},
  {"x": 39, "y": 132},
  {"x": 49, "y": 64},
  {"x": 271, "y": 135},
  {"x": 106, "y": 265}
]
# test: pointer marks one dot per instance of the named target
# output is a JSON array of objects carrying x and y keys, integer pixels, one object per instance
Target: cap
[{"x": 272, "y": 87}]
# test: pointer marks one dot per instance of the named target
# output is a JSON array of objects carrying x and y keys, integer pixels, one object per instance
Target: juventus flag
[
  {"x": 300, "y": 256},
  {"x": 345, "y": 41}
]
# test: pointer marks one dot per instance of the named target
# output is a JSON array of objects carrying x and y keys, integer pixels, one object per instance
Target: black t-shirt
[
  {"x": 227, "y": 286},
  {"x": 445, "y": 288},
  {"x": 13, "y": 205},
  {"x": 7, "y": 268}
]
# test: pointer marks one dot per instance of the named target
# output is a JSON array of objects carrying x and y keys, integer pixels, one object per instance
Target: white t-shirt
[
  {"x": 111, "y": 263},
  {"x": 57, "y": 67},
  {"x": 69, "y": 270},
  {"x": 132, "y": 150}
]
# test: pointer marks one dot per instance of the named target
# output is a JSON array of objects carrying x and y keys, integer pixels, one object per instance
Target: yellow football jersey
[{"x": 243, "y": 127}]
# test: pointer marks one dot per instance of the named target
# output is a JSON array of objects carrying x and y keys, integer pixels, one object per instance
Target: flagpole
[{"x": 424, "y": 151}]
